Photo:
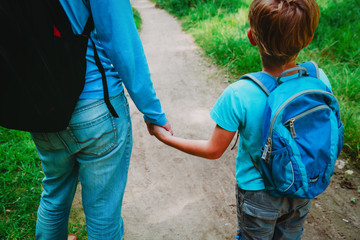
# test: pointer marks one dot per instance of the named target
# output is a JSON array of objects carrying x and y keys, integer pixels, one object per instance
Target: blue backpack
[{"x": 302, "y": 133}]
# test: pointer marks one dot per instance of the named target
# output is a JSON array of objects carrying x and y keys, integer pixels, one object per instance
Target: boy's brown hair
[{"x": 281, "y": 28}]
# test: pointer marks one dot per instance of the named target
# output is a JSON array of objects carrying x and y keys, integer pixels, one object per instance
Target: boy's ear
[{"x": 251, "y": 38}]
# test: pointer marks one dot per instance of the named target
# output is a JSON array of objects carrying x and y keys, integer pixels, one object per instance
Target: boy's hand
[
  {"x": 150, "y": 127},
  {"x": 167, "y": 127},
  {"x": 160, "y": 132}
]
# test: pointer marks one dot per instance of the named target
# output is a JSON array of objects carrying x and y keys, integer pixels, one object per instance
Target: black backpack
[{"x": 42, "y": 65}]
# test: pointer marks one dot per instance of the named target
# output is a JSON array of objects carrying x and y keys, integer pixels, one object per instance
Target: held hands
[
  {"x": 212, "y": 148},
  {"x": 160, "y": 132}
]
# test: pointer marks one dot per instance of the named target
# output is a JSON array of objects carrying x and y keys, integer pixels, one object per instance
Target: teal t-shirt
[{"x": 241, "y": 107}]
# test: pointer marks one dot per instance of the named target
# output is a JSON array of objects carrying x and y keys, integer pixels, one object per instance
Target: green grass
[
  {"x": 77, "y": 223},
  {"x": 20, "y": 181},
  {"x": 137, "y": 18},
  {"x": 338, "y": 32},
  {"x": 219, "y": 28},
  {"x": 227, "y": 34}
]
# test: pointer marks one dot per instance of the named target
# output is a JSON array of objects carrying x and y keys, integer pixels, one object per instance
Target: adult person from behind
[{"x": 95, "y": 149}]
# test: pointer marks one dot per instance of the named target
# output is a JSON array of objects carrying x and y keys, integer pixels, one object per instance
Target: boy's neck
[{"x": 276, "y": 71}]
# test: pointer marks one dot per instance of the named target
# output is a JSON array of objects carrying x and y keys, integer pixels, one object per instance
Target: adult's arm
[{"x": 117, "y": 33}]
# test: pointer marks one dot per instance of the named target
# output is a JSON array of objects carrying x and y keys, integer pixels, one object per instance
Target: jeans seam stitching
[{"x": 63, "y": 142}]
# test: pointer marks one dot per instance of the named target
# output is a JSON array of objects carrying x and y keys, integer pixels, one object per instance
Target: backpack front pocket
[{"x": 311, "y": 130}]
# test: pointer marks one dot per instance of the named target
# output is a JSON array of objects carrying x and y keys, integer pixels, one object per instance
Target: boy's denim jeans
[
  {"x": 262, "y": 216},
  {"x": 95, "y": 150}
]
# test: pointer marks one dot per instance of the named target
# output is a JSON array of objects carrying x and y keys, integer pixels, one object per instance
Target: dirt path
[{"x": 171, "y": 195}]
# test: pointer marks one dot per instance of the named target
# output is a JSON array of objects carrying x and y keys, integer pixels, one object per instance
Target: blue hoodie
[{"x": 120, "y": 51}]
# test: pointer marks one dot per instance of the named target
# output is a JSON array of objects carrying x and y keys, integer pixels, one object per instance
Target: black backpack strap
[
  {"x": 255, "y": 165},
  {"x": 86, "y": 32},
  {"x": 104, "y": 82},
  {"x": 236, "y": 140},
  {"x": 89, "y": 26}
]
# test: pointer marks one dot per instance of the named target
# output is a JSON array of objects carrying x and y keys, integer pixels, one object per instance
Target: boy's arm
[{"x": 210, "y": 149}]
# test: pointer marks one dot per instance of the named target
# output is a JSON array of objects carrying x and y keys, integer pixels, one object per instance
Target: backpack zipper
[
  {"x": 291, "y": 121},
  {"x": 292, "y": 128},
  {"x": 267, "y": 148}
]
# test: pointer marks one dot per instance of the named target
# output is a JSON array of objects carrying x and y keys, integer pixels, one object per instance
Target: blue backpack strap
[
  {"x": 312, "y": 69},
  {"x": 264, "y": 80},
  {"x": 267, "y": 84}
]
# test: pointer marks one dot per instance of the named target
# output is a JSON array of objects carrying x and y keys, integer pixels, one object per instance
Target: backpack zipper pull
[
  {"x": 292, "y": 128},
  {"x": 267, "y": 151}
]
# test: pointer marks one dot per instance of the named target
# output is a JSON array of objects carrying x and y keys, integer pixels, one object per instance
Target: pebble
[{"x": 340, "y": 164}]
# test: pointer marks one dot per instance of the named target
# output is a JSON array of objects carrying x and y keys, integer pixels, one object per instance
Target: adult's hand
[
  {"x": 150, "y": 127},
  {"x": 168, "y": 128}
]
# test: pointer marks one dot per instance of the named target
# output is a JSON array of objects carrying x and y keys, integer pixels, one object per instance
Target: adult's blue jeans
[
  {"x": 264, "y": 217},
  {"x": 95, "y": 149}
]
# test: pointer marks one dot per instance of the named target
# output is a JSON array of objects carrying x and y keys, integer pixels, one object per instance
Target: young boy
[{"x": 280, "y": 29}]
